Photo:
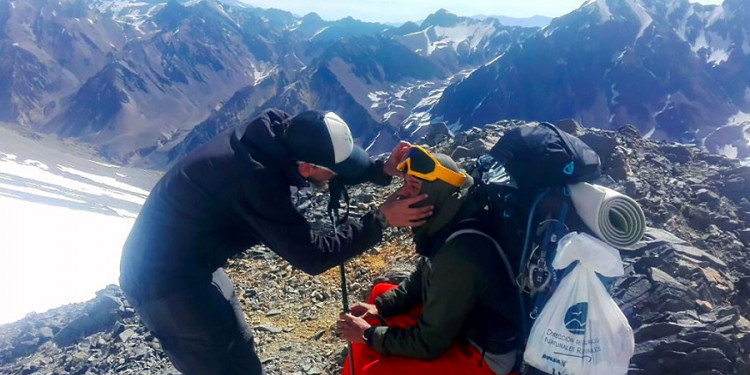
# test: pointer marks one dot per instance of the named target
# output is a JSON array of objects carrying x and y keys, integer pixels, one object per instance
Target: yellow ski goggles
[{"x": 419, "y": 163}]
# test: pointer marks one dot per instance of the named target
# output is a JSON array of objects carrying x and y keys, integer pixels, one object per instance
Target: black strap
[{"x": 338, "y": 190}]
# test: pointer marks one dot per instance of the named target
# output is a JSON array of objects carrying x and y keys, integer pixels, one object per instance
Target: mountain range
[{"x": 146, "y": 82}]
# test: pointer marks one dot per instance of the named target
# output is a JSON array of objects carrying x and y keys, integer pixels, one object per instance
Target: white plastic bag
[
  {"x": 596, "y": 254},
  {"x": 580, "y": 330}
]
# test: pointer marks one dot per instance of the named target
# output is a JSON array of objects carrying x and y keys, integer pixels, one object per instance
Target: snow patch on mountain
[
  {"x": 650, "y": 133},
  {"x": 366, "y": 95},
  {"x": 717, "y": 15},
  {"x": 261, "y": 74},
  {"x": 716, "y": 47},
  {"x": 65, "y": 177},
  {"x": 377, "y": 98},
  {"x": 39, "y": 172},
  {"x": 728, "y": 151},
  {"x": 718, "y": 56},
  {"x": 106, "y": 180},
  {"x": 643, "y": 16},
  {"x": 615, "y": 94},
  {"x": 700, "y": 42},
  {"x": 604, "y": 13},
  {"x": 13, "y": 189},
  {"x": 117, "y": 6},
  {"x": 464, "y": 32},
  {"x": 741, "y": 117},
  {"x": 134, "y": 13},
  {"x": 418, "y": 42},
  {"x": 319, "y": 32},
  {"x": 426, "y": 42},
  {"x": 719, "y": 49},
  {"x": 494, "y": 60},
  {"x": 732, "y": 139},
  {"x": 681, "y": 29},
  {"x": 420, "y": 116},
  {"x": 50, "y": 199}
]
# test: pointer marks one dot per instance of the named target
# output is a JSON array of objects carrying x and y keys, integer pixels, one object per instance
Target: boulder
[
  {"x": 437, "y": 133},
  {"x": 570, "y": 126},
  {"x": 472, "y": 150},
  {"x": 677, "y": 153},
  {"x": 603, "y": 145},
  {"x": 629, "y": 131},
  {"x": 99, "y": 315},
  {"x": 657, "y": 331}
]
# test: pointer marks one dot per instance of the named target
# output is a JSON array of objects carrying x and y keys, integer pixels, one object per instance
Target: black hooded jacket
[{"x": 230, "y": 194}]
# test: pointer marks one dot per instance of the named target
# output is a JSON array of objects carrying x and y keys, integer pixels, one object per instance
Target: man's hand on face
[
  {"x": 396, "y": 156},
  {"x": 399, "y": 213},
  {"x": 397, "y": 208},
  {"x": 411, "y": 188},
  {"x": 351, "y": 328}
]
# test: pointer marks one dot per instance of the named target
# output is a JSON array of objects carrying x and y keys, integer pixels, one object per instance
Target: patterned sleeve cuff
[{"x": 377, "y": 337}]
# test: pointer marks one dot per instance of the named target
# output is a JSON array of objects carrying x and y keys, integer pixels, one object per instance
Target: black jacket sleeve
[
  {"x": 270, "y": 214},
  {"x": 399, "y": 300},
  {"x": 374, "y": 174}
]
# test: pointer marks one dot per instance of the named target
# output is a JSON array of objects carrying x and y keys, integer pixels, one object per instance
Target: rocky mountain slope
[
  {"x": 685, "y": 292},
  {"x": 673, "y": 69},
  {"x": 134, "y": 78},
  {"x": 375, "y": 82},
  {"x": 147, "y": 81}
]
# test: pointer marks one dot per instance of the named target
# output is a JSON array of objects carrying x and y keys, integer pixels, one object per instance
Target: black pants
[{"x": 203, "y": 330}]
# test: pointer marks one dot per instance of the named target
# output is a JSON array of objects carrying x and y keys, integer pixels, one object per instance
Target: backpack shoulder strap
[
  {"x": 500, "y": 251},
  {"x": 511, "y": 276}
]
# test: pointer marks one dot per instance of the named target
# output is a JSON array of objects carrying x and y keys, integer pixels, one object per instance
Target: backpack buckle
[{"x": 539, "y": 278}]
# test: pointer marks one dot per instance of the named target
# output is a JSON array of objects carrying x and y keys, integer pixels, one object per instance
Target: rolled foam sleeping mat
[{"x": 615, "y": 218}]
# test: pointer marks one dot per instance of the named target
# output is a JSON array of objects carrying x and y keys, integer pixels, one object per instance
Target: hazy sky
[{"x": 414, "y": 10}]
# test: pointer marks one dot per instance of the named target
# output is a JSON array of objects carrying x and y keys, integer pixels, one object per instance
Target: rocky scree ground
[{"x": 685, "y": 291}]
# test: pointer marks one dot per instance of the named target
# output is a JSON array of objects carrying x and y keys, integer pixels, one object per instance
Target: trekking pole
[
  {"x": 345, "y": 302},
  {"x": 333, "y": 211}
]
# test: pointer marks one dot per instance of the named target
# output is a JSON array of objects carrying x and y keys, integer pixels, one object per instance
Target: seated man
[{"x": 455, "y": 314}]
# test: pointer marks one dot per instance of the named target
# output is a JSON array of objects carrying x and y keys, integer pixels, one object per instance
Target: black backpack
[
  {"x": 521, "y": 188},
  {"x": 539, "y": 156}
]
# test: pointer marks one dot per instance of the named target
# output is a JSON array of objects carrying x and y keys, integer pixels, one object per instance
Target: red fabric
[{"x": 461, "y": 359}]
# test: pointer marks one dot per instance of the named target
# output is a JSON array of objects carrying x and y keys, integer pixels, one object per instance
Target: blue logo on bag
[
  {"x": 569, "y": 168},
  {"x": 575, "y": 318}
]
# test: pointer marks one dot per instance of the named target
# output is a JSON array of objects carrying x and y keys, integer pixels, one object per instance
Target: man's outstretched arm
[
  {"x": 285, "y": 231},
  {"x": 381, "y": 172}
]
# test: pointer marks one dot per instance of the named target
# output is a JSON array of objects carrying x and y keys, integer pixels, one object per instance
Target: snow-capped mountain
[
  {"x": 145, "y": 81},
  {"x": 201, "y": 56},
  {"x": 134, "y": 15},
  {"x": 378, "y": 83},
  {"x": 533, "y": 21},
  {"x": 459, "y": 41},
  {"x": 673, "y": 69},
  {"x": 371, "y": 81},
  {"x": 47, "y": 50}
]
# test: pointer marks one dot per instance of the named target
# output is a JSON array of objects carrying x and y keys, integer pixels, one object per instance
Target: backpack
[{"x": 521, "y": 189}]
